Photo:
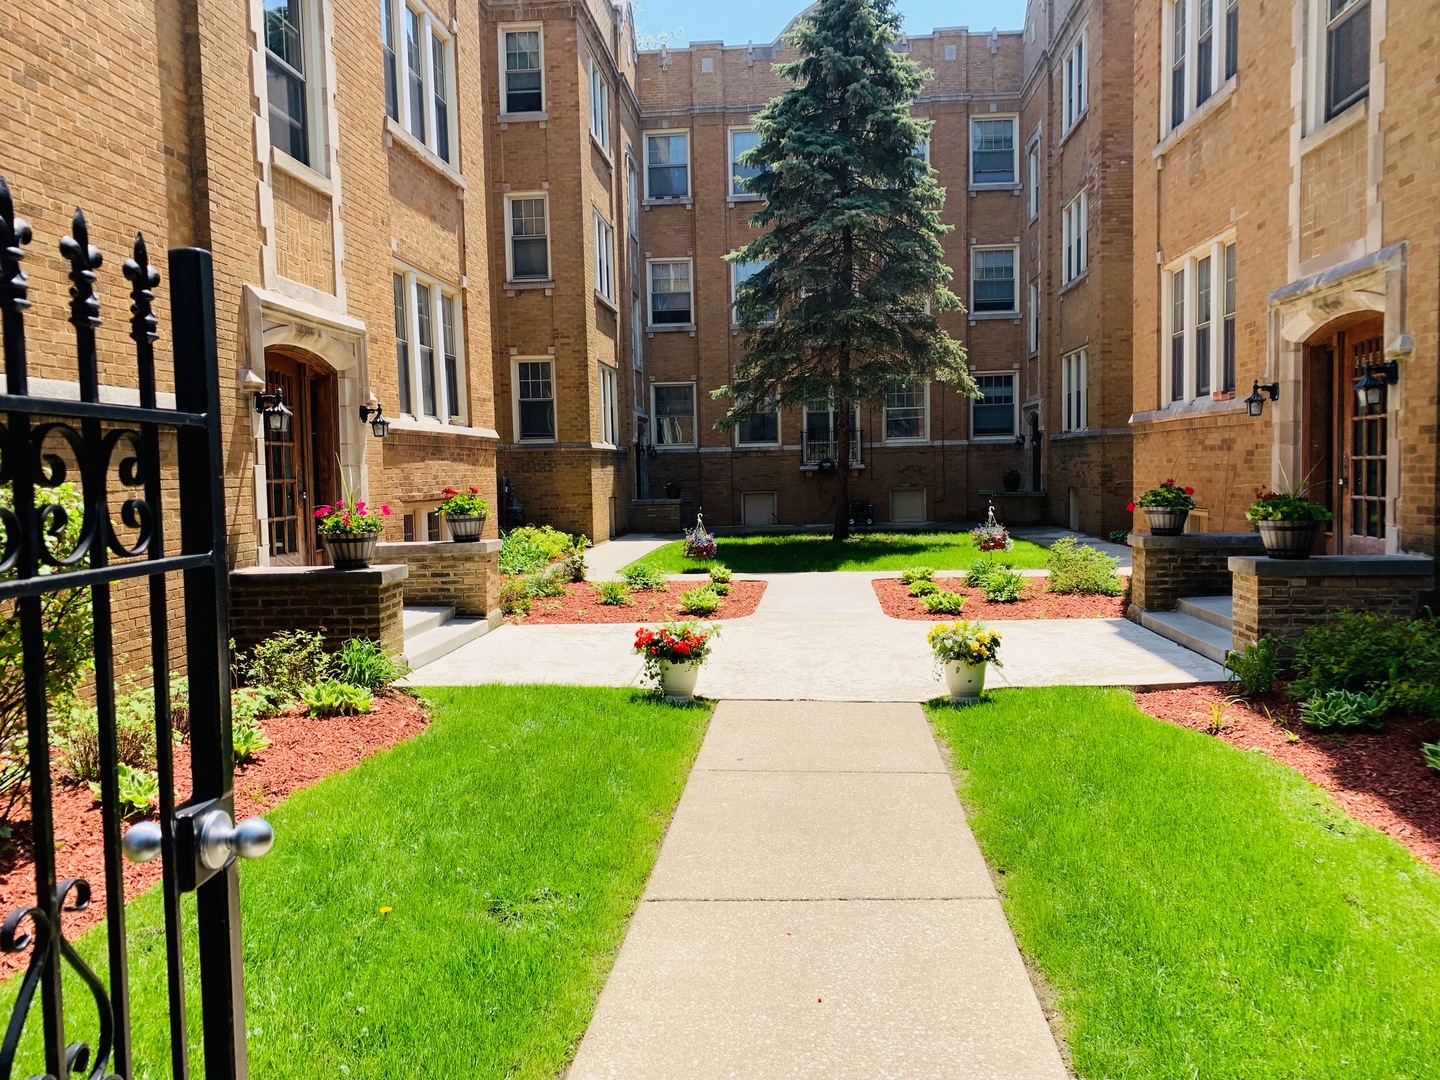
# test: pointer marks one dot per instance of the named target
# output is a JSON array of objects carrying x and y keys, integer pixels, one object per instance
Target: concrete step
[
  {"x": 442, "y": 640},
  {"x": 1197, "y": 635},
  {"x": 1215, "y": 610},
  {"x": 420, "y": 618}
]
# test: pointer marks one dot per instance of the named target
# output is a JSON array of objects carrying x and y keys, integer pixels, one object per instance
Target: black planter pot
[
  {"x": 465, "y": 528},
  {"x": 672, "y": 489},
  {"x": 350, "y": 552},
  {"x": 1165, "y": 522},
  {"x": 1289, "y": 539}
]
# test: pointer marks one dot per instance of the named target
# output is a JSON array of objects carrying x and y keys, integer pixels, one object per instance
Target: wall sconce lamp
[
  {"x": 1370, "y": 387},
  {"x": 276, "y": 413},
  {"x": 375, "y": 417},
  {"x": 647, "y": 449},
  {"x": 1255, "y": 403}
]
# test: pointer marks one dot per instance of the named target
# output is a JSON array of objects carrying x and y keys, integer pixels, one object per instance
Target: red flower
[
  {"x": 1130, "y": 507},
  {"x": 682, "y": 648},
  {"x": 474, "y": 490},
  {"x": 449, "y": 491},
  {"x": 322, "y": 511},
  {"x": 1189, "y": 490},
  {"x": 1169, "y": 481}
]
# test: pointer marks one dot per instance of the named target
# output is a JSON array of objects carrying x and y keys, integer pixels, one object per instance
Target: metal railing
[{"x": 816, "y": 452}]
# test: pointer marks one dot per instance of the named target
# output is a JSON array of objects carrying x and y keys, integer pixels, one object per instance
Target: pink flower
[
  {"x": 322, "y": 511},
  {"x": 384, "y": 509},
  {"x": 1130, "y": 507},
  {"x": 360, "y": 508}
]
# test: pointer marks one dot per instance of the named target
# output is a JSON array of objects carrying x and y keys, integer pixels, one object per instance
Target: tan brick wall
[
  {"x": 341, "y": 604},
  {"x": 1166, "y": 569},
  {"x": 304, "y": 234},
  {"x": 1283, "y": 607},
  {"x": 463, "y": 576}
]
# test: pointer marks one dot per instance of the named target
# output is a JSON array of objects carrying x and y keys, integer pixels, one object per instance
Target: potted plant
[
  {"x": 1289, "y": 523},
  {"x": 464, "y": 513},
  {"x": 672, "y": 489},
  {"x": 991, "y": 535},
  {"x": 1166, "y": 507},
  {"x": 673, "y": 654},
  {"x": 961, "y": 650},
  {"x": 349, "y": 530},
  {"x": 1012, "y": 479},
  {"x": 699, "y": 544}
]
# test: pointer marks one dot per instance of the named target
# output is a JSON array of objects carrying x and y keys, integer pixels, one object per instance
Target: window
[
  {"x": 522, "y": 60},
  {"x": 1074, "y": 96},
  {"x": 420, "y": 101},
  {"x": 286, "y": 78},
  {"x": 674, "y": 412},
  {"x": 670, "y": 294},
  {"x": 1033, "y": 323},
  {"x": 922, "y": 151},
  {"x": 741, "y": 140},
  {"x": 992, "y": 150},
  {"x": 992, "y": 272},
  {"x": 637, "y": 341},
  {"x": 1201, "y": 356},
  {"x": 1032, "y": 181},
  {"x": 389, "y": 41},
  {"x": 1232, "y": 38},
  {"x": 632, "y": 195},
  {"x": 667, "y": 165},
  {"x": 1179, "y": 29},
  {"x": 1177, "y": 336},
  {"x": 993, "y": 414},
  {"x": 1200, "y": 50},
  {"x": 599, "y": 106},
  {"x": 429, "y": 352},
  {"x": 739, "y": 274},
  {"x": 905, "y": 406},
  {"x": 535, "y": 400},
  {"x": 762, "y": 429},
  {"x": 1204, "y": 51},
  {"x": 609, "y": 406},
  {"x": 527, "y": 223},
  {"x": 1347, "y": 54},
  {"x": 604, "y": 258},
  {"x": 822, "y": 433},
  {"x": 1075, "y": 239},
  {"x": 1202, "y": 325},
  {"x": 1074, "y": 392},
  {"x": 440, "y": 93},
  {"x": 415, "y": 72},
  {"x": 1227, "y": 350}
]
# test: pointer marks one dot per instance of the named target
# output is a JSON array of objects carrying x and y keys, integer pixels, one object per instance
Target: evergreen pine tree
[{"x": 852, "y": 272}]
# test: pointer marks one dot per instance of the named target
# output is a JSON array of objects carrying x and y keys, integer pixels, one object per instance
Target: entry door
[
  {"x": 1347, "y": 464},
  {"x": 290, "y": 468}
]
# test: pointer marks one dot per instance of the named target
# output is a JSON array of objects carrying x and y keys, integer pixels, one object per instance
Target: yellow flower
[{"x": 386, "y": 910}]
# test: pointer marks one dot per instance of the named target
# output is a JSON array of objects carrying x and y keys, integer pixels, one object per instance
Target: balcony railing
[{"x": 816, "y": 452}]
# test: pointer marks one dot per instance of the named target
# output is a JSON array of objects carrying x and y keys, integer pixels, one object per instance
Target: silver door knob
[
  {"x": 142, "y": 841},
  {"x": 218, "y": 839}
]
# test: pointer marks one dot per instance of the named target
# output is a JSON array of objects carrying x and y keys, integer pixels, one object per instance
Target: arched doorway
[
  {"x": 1347, "y": 440},
  {"x": 301, "y": 463}
]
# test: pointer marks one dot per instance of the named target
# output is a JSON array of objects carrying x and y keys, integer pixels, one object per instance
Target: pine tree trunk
[{"x": 842, "y": 453}]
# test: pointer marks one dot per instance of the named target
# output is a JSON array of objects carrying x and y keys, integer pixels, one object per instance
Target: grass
[
  {"x": 797, "y": 552},
  {"x": 1200, "y": 911},
  {"x": 509, "y": 843}
]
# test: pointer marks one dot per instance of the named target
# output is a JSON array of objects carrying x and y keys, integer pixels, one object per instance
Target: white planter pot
[
  {"x": 677, "y": 681},
  {"x": 966, "y": 682}
]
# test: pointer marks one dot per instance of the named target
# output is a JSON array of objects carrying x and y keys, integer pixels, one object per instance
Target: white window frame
[
  {"x": 512, "y": 197},
  {"x": 689, "y": 163},
  {"x": 1032, "y": 318},
  {"x": 1075, "y": 239},
  {"x": 650, "y": 324},
  {"x": 413, "y": 277},
  {"x": 1014, "y": 377},
  {"x": 506, "y": 115},
  {"x": 1219, "y": 42},
  {"x": 773, "y": 444},
  {"x": 515, "y": 362},
  {"x": 1317, "y": 52},
  {"x": 599, "y": 106},
  {"x": 431, "y": 28},
  {"x": 833, "y": 429},
  {"x": 637, "y": 338},
  {"x": 735, "y": 288},
  {"x": 632, "y": 194},
  {"x": 609, "y": 394},
  {"x": 1014, "y": 120},
  {"x": 604, "y": 258},
  {"x": 731, "y": 191},
  {"x": 1014, "y": 308},
  {"x": 1214, "y": 250},
  {"x": 655, "y": 418},
  {"x": 1032, "y": 179},
  {"x": 1075, "y": 84},
  {"x": 312, "y": 46},
  {"x": 907, "y": 440},
  {"x": 1075, "y": 391}
]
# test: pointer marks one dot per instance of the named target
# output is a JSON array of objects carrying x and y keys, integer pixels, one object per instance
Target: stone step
[
  {"x": 442, "y": 640},
  {"x": 1197, "y": 635},
  {"x": 420, "y": 618},
  {"x": 1215, "y": 610}
]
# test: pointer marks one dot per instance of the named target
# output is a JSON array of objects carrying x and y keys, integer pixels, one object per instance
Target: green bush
[
  {"x": 331, "y": 698},
  {"x": 1079, "y": 568},
  {"x": 1368, "y": 652},
  {"x": 251, "y": 704},
  {"x": 720, "y": 575},
  {"x": 912, "y": 574},
  {"x": 1004, "y": 586},
  {"x": 75, "y": 734},
  {"x": 530, "y": 547},
  {"x": 1343, "y": 710},
  {"x": 981, "y": 571},
  {"x": 287, "y": 661},
  {"x": 1255, "y": 668},
  {"x": 701, "y": 600},
  {"x": 923, "y": 588},
  {"x": 644, "y": 577},
  {"x": 139, "y": 790},
  {"x": 1432, "y": 754},
  {"x": 573, "y": 566},
  {"x": 515, "y": 596},
  {"x": 361, "y": 662},
  {"x": 722, "y": 588},
  {"x": 944, "y": 603},
  {"x": 614, "y": 594}
]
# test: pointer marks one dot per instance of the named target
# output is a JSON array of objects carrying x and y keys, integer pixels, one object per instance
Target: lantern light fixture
[
  {"x": 276, "y": 413},
  {"x": 1370, "y": 387},
  {"x": 1255, "y": 403},
  {"x": 374, "y": 415}
]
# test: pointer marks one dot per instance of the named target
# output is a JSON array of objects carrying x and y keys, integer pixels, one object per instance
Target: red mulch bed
[
  {"x": 1379, "y": 778},
  {"x": 895, "y": 598},
  {"x": 580, "y": 604},
  {"x": 301, "y": 751}
]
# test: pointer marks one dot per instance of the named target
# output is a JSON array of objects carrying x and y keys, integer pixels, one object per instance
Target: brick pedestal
[
  {"x": 341, "y": 604},
  {"x": 1014, "y": 508},
  {"x": 1166, "y": 568},
  {"x": 445, "y": 574},
  {"x": 1281, "y": 597},
  {"x": 662, "y": 516}
]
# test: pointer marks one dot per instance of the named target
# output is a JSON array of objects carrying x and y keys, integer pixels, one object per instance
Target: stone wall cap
[
  {"x": 398, "y": 549},
  {"x": 322, "y": 576},
  {"x": 1335, "y": 566},
  {"x": 1247, "y": 541},
  {"x": 656, "y": 502}
]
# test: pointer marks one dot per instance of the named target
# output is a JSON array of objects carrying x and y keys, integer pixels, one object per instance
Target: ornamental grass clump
[
  {"x": 1004, "y": 586},
  {"x": 964, "y": 642},
  {"x": 674, "y": 643},
  {"x": 614, "y": 594}
]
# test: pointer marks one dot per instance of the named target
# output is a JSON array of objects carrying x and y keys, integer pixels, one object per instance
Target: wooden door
[{"x": 289, "y": 467}]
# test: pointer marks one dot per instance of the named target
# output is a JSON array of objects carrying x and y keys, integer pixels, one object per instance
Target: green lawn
[
  {"x": 794, "y": 552},
  {"x": 1201, "y": 911},
  {"x": 511, "y": 842}
]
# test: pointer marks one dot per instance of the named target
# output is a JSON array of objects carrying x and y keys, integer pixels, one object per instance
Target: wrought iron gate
[{"x": 41, "y": 441}]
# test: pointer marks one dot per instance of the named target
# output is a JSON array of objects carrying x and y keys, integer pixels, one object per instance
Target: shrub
[
  {"x": 75, "y": 731},
  {"x": 720, "y": 575},
  {"x": 514, "y": 597},
  {"x": 331, "y": 698},
  {"x": 548, "y": 582},
  {"x": 1004, "y": 586},
  {"x": 644, "y": 577},
  {"x": 981, "y": 570},
  {"x": 614, "y": 594},
  {"x": 1432, "y": 754},
  {"x": 924, "y": 588},
  {"x": 1367, "y": 652},
  {"x": 1343, "y": 710},
  {"x": 139, "y": 789},
  {"x": 247, "y": 739},
  {"x": 533, "y": 546},
  {"x": 702, "y": 600},
  {"x": 722, "y": 588},
  {"x": 573, "y": 567},
  {"x": 361, "y": 662},
  {"x": 1118, "y": 536},
  {"x": 1255, "y": 668},
  {"x": 1079, "y": 568},
  {"x": 287, "y": 661},
  {"x": 912, "y": 574},
  {"x": 942, "y": 602},
  {"x": 251, "y": 704}
]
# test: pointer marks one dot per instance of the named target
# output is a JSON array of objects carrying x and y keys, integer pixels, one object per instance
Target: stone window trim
[
  {"x": 1337, "y": 125},
  {"x": 1187, "y": 337},
  {"x": 511, "y": 281},
  {"x": 1223, "y": 94},
  {"x": 282, "y": 162},
  {"x": 398, "y": 136},
  {"x": 687, "y": 198},
  {"x": 439, "y": 139},
  {"x": 520, "y": 115},
  {"x": 447, "y": 345},
  {"x": 1322, "y": 23},
  {"x": 516, "y": 400},
  {"x": 1194, "y": 56}
]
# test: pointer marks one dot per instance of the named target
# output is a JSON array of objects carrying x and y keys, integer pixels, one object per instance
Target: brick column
[
  {"x": 1166, "y": 568},
  {"x": 341, "y": 604},
  {"x": 445, "y": 574}
]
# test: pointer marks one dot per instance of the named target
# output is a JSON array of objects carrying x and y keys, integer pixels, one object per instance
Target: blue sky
[{"x": 737, "y": 21}]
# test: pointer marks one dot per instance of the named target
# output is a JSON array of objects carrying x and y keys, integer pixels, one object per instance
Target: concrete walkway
[
  {"x": 604, "y": 561},
  {"x": 819, "y": 909}
]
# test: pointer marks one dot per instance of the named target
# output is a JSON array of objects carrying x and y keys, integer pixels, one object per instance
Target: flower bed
[
  {"x": 1378, "y": 777},
  {"x": 1036, "y": 603},
  {"x": 581, "y": 604},
  {"x": 301, "y": 751}
]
